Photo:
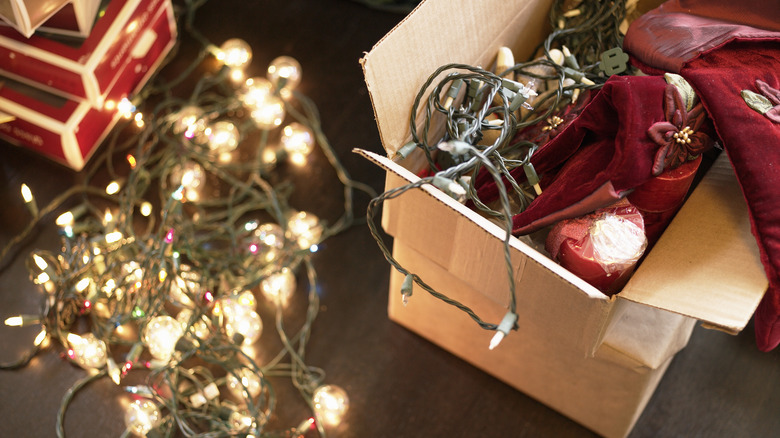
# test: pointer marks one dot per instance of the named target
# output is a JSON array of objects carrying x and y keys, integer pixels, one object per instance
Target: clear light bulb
[
  {"x": 160, "y": 336},
  {"x": 266, "y": 242},
  {"x": 88, "y": 350},
  {"x": 298, "y": 141},
  {"x": 240, "y": 420},
  {"x": 255, "y": 92},
  {"x": 142, "y": 416},
  {"x": 279, "y": 287},
  {"x": 269, "y": 113},
  {"x": 222, "y": 137},
  {"x": 304, "y": 228},
  {"x": 235, "y": 53},
  {"x": 191, "y": 177},
  {"x": 244, "y": 321},
  {"x": 284, "y": 72},
  {"x": 245, "y": 383},
  {"x": 189, "y": 120},
  {"x": 330, "y": 404}
]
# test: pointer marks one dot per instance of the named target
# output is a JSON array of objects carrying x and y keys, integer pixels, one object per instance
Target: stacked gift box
[{"x": 63, "y": 92}]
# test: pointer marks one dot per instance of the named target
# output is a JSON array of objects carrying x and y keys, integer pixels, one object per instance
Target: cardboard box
[
  {"x": 69, "y": 131},
  {"x": 25, "y": 15},
  {"x": 85, "y": 70},
  {"x": 594, "y": 358}
]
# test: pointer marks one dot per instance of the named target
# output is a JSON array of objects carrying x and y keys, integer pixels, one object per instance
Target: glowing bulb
[
  {"x": 146, "y": 209},
  {"x": 284, "y": 72},
  {"x": 40, "y": 338},
  {"x": 26, "y": 194},
  {"x": 223, "y": 137},
  {"x": 161, "y": 335},
  {"x": 266, "y": 242},
  {"x": 88, "y": 351},
  {"x": 304, "y": 228},
  {"x": 255, "y": 92},
  {"x": 40, "y": 262},
  {"x": 82, "y": 284},
  {"x": 235, "y": 53},
  {"x": 125, "y": 108},
  {"x": 190, "y": 176},
  {"x": 142, "y": 416},
  {"x": 65, "y": 219},
  {"x": 269, "y": 114},
  {"x": 244, "y": 321},
  {"x": 112, "y": 188},
  {"x": 114, "y": 237},
  {"x": 188, "y": 119},
  {"x": 14, "y": 321},
  {"x": 298, "y": 141},
  {"x": 247, "y": 299},
  {"x": 279, "y": 287},
  {"x": 330, "y": 404},
  {"x": 241, "y": 420},
  {"x": 245, "y": 383}
]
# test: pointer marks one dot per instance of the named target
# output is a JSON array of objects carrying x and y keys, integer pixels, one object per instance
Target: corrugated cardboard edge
[
  {"x": 709, "y": 241},
  {"x": 489, "y": 227}
]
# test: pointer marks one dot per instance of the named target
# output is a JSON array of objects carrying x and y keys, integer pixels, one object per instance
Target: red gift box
[
  {"x": 67, "y": 130},
  {"x": 86, "y": 70}
]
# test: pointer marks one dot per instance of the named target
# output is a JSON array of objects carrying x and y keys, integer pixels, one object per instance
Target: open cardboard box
[{"x": 594, "y": 358}]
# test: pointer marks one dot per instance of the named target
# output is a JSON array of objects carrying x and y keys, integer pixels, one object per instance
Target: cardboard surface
[
  {"x": 425, "y": 40},
  {"x": 708, "y": 256}
]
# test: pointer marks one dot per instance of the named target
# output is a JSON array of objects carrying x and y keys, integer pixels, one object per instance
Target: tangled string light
[
  {"x": 486, "y": 117},
  {"x": 159, "y": 273}
]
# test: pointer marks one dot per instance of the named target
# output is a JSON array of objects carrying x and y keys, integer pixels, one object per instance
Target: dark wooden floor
[{"x": 400, "y": 385}]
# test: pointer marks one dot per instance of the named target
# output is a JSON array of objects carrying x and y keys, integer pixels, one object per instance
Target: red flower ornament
[{"x": 678, "y": 135}]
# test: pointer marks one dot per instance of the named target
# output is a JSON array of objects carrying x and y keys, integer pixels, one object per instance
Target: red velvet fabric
[
  {"x": 598, "y": 158},
  {"x": 719, "y": 65}
]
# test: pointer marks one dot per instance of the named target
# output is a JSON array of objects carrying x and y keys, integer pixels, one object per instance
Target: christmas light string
[
  {"x": 481, "y": 112},
  {"x": 157, "y": 274}
]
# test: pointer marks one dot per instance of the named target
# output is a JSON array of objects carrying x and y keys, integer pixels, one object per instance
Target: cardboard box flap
[
  {"x": 485, "y": 224},
  {"x": 706, "y": 265},
  {"x": 423, "y": 42}
]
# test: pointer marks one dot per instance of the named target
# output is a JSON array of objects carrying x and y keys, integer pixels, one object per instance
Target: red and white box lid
[{"x": 83, "y": 70}]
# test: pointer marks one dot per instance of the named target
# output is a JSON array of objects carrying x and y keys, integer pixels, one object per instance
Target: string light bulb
[
  {"x": 142, "y": 416},
  {"x": 235, "y": 53},
  {"x": 255, "y": 91},
  {"x": 269, "y": 113},
  {"x": 266, "y": 241},
  {"x": 279, "y": 287},
  {"x": 298, "y": 141},
  {"x": 188, "y": 120},
  {"x": 330, "y": 404},
  {"x": 285, "y": 73},
  {"x": 242, "y": 320},
  {"x": 244, "y": 383},
  {"x": 222, "y": 137},
  {"x": 160, "y": 336},
  {"x": 190, "y": 176},
  {"x": 87, "y": 350},
  {"x": 304, "y": 228}
]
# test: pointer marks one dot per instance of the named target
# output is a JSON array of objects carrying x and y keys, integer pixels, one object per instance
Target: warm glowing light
[
  {"x": 200, "y": 328},
  {"x": 113, "y": 371},
  {"x": 304, "y": 228},
  {"x": 42, "y": 278},
  {"x": 268, "y": 114},
  {"x": 235, "y": 53},
  {"x": 244, "y": 321},
  {"x": 40, "y": 262},
  {"x": 113, "y": 188},
  {"x": 222, "y": 137},
  {"x": 255, "y": 92},
  {"x": 190, "y": 176},
  {"x": 64, "y": 220},
  {"x": 88, "y": 350},
  {"x": 244, "y": 383},
  {"x": 40, "y": 337},
  {"x": 26, "y": 194},
  {"x": 279, "y": 287},
  {"x": 131, "y": 160},
  {"x": 162, "y": 275},
  {"x": 236, "y": 75},
  {"x": 266, "y": 242},
  {"x": 186, "y": 284},
  {"x": 188, "y": 120},
  {"x": 284, "y": 72},
  {"x": 142, "y": 416},
  {"x": 125, "y": 108},
  {"x": 14, "y": 321},
  {"x": 298, "y": 141},
  {"x": 82, "y": 284},
  {"x": 330, "y": 404},
  {"x": 160, "y": 336},
  {"x": 113, "y": 237},
  {"x": 146, "y": 209}
]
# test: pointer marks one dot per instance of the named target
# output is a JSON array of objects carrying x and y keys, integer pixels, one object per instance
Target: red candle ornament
[{"x": 603, "y": 247}]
